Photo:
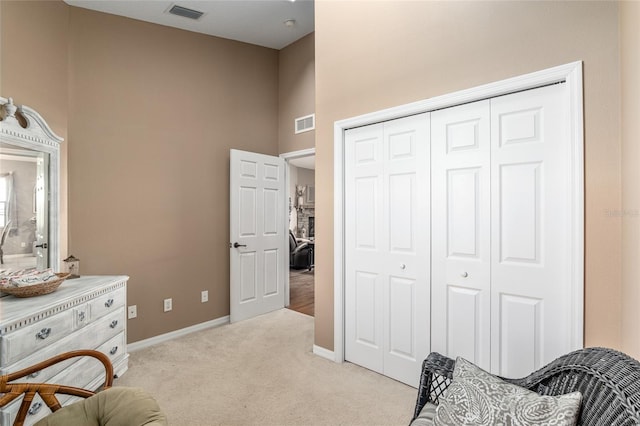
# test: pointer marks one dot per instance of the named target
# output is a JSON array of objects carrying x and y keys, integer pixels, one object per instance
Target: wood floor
[{"x": 301, "y": 297}]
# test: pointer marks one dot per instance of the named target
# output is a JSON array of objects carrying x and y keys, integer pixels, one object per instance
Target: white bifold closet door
[
  {"x": 501, "y": 236},
  {"x": 461, "y": 233},
  {"x": 387, "y": 243}
]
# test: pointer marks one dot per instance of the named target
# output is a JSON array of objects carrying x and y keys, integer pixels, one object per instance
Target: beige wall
[
  {"x": 296, "y": 93},
  {"x": 404, "y": 51},
  {"x": 153, "y": 113},
  {"x": 149, "y": 114},
  {"x": 630, "y": 89},
  {"x": 33, "y": 71}
]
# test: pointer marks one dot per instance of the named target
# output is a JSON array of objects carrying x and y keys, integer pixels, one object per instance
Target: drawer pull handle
[
  {"x": 81, "y": 316},
  {"x": 113, "y": 350},
  {"x": 34, "y": 375},
  {"x": 113, "y": 324},
  {"x": 108, "y": 303},
  {"x": 44, "y": 333},
  {"x": 35, "y": 408}
]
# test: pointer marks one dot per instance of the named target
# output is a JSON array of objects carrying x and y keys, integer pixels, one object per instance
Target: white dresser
[{"x": 83, "y": 313}]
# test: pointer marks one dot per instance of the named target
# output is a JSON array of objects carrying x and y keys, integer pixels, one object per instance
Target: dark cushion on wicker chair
[{"x": 609, "y": 382}]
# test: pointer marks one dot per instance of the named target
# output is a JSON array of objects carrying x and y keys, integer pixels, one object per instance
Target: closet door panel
[
  {"x": 520, "y": 209},
  {"x": 367, "y": 194},
  {"x": 463, "y": 334},
  {"x": 407, "y": 301},
  {"x": 520, "y": 327},
  {"x": 401, "y": 317},
  {"x": 530, "y": 217},
  {"x": 367, "y": 324},
  {"x": 461, "y": 232},
  {"x": 364, "y": 247},
  {"x": 387, "y": 296}
]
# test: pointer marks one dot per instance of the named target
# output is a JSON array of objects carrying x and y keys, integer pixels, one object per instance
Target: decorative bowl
[{"x": 36, "y": 289}]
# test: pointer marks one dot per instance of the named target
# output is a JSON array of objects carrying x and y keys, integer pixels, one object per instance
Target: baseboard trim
[
  {"x": 141, "y": 344},
  {"x": 324, "y": 353}
]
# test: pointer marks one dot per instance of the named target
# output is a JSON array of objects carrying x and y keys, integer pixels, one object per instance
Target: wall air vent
[
  {"x": 185, "y": 12},
  {"x": 306, "y": 123}
]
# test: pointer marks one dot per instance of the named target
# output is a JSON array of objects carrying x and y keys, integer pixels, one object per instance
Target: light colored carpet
[{"x": 262, "y": 372}]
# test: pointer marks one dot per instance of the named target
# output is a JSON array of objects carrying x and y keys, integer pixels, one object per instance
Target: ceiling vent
[
  {"x": 185, "y": 12},
  {"x": 306, "y": 123}
]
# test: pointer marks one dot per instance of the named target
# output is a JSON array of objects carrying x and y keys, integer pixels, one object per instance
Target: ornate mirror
[{"x": 29, "y": 189}]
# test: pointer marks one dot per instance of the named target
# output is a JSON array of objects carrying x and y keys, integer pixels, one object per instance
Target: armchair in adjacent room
[{"x": 300, "y": 253}]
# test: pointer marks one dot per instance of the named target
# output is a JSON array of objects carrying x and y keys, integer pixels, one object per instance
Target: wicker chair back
[{"x": 608, "y": 380}]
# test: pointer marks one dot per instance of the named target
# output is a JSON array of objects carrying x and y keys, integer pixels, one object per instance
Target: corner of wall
[{"x": 629, "y": 14}]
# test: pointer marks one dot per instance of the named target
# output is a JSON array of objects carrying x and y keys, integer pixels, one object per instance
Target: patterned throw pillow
[{"x": 478, "y": 398}]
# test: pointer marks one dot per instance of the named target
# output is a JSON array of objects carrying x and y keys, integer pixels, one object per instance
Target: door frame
[
  {"x": 570, "y": 74},
  {"x": 290, "y": 156}
]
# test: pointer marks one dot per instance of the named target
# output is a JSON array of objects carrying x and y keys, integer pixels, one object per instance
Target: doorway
[{"x": 300, "y": 172}]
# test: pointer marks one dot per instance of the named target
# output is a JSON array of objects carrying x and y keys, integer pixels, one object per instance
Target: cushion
[
  {"x": 117, "y": 406},
  {"x": 476, "y": 397}
]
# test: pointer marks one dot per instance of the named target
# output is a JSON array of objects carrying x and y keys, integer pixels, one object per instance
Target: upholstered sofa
[{"x": 608, "y": 381}]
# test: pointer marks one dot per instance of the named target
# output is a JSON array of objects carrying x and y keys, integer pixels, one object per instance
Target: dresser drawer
[
  {"x": 85, "y": 313},
  {"x": 37, "y": 411},
  {"x": 114, "y": 348},
  {"x": 84, "y": 373},
  {"x": 24, "y": 342},
  {"x": 93, "y": 336},
  {"x": 81, "y": 315},
  {"x": 107, "y": 303}
]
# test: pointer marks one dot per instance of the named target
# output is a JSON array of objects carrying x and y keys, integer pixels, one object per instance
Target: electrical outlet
[
  {"x": 168, "y": 305},
  {"x": 204, "y": 296},
  {"x": 132, "y": 311},
  {"x": 23, "y": 244}
]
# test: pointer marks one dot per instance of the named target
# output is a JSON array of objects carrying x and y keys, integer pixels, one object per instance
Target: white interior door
[
  {"x": 532, "y": 233},
  {"x": 387, "y": 255},
  {"x": 461, "y": 249},
  {"x": 41, "y": 204},
  {"x": 257, "y": 239}
]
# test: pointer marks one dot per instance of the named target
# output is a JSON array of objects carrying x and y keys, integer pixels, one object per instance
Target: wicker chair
[
  {"x": 609, "y": 382},
  {"x": 47, "y": 391}
]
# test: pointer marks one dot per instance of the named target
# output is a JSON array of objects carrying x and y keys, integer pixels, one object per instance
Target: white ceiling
[
  {"x": 308, "y": 162},
  {"x": 260, "y": 22}
]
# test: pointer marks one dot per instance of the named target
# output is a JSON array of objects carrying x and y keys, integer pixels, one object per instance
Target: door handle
[
  {"x": 236, "y": 245},
  {"x": 43, "y": 245}
]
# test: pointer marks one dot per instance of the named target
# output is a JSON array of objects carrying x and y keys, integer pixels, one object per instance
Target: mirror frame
[{"x": 37, "y": 136}]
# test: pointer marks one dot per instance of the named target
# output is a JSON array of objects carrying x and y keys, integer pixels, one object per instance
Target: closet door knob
[
  {"x": 464, "y": 275},
  {"x": 403, "y": 266}
]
